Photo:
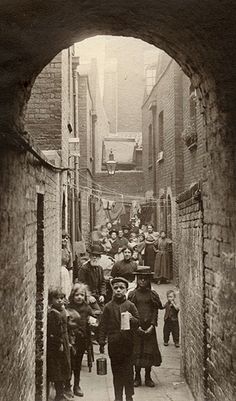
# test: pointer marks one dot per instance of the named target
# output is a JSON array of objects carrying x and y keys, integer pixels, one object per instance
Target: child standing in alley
[
  {"x": 120, "y": 339},
  {"x": 171, "y": 322},
  {"x": 58, "y": 350},
  {"x": 79, "y": 331}
]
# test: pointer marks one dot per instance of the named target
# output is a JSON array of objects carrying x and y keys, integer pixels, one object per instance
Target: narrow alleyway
[{"x": 170, "y": 385}]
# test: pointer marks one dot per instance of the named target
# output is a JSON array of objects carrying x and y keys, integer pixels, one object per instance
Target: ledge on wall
[
  {"x": 194, "y": 193},
  {"x": 160, "y": 156},
  {"x": 189, "y": 136}
]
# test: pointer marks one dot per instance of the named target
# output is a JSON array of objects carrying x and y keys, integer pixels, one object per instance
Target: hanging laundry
[
  {"x": 105, "y": 203},
  {"x": 98, "y": 204},
  {"x": 135, "y": 209},
  {"x": 111, "y": 205}
]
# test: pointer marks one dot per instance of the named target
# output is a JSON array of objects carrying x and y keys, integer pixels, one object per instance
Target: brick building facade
[
  {"x": 173, "y": 147},
  {"x": 92, "y": 128},
  {"x": 49, "y": 118}
]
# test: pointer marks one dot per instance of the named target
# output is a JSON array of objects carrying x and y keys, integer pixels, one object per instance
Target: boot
[
  {"x": 137, "y": 378},
  {"x": 68, "y": 393},
  {"x": 77, "y": 388},
  {"x": 148, "y": 380},
  {"x": 59, "y": 391},
  {"x": 78, "y": 391}
]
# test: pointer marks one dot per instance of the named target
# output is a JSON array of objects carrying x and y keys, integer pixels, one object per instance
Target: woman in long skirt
[
  {"x": 149, "y": 255},
  {"x": 162, "y": 267}
]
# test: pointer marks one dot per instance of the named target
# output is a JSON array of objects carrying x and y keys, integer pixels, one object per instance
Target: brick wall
[
  {"x": 50, "y": 108},
  {"x": 203, "y": 43},
  {"x": 43, "y": 117},
  {"x": 191, "y": 281},
  {"x": 193, "y": 158},
  {"x": 165, "y": 97},
  {"x": 18, "y": 267},
  {"x": 206, "y": 289},
  {"x": 130, "y": 183},
  {"x": 219, "y": 200}
]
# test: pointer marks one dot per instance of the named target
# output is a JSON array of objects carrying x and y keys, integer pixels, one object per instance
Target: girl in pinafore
[
  {"x": 58, "y": 350},
  {"x": 79, "y": 331},
  {"x": 146, "y": 350}
]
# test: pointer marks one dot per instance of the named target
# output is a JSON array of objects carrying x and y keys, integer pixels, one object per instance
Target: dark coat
[
  {"x": 171, "y": 313},
  {"x": 124, "y": 269},
  {"x": 120, "y": 343},
  {"x": 78, "y": 326},
  {"x": 94, "y": 278},
  {"x": 114, "y": 247},
  {"x": 146, "y": 350},
  {"x": 58, "y": 351}
]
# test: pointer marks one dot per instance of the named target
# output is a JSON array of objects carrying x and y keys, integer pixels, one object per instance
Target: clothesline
[
  {"x": 105, "y": 190},
  {"x": 111, "y": 196},
  {"x": 103, "y": 194}
]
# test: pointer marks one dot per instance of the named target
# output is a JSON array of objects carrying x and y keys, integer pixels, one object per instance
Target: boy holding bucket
[{"x": 119, "y": 321}]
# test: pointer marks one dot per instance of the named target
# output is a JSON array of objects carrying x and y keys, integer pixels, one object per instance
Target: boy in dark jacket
[
  {"x": 171, "y": 322},
  {"x": 120, "y": 341}
]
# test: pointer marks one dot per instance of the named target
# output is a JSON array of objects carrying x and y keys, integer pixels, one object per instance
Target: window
[
  {"x": 150, "y": 144},
  {"x": 150, "y": 78},
  {"x": 189, "y": 134},
  {"x": 192, "y": 107}
]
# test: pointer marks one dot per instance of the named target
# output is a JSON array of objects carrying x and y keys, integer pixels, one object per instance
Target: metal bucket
[{"x": 101, "y": 366}]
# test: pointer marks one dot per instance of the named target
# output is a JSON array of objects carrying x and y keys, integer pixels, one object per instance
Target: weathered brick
[{"x": 18, "y": 271}]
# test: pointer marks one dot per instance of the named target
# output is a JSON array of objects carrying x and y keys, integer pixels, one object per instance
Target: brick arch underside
[
  {"x": 193, "y": 33},
  {"x": 200, "y": 36}
]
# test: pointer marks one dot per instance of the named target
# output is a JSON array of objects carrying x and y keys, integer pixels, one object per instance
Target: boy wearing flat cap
[{"x": 120, "y": 340}]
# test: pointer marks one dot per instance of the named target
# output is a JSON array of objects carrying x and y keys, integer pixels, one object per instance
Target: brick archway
[
  {"x": 193, "y": 34},
  {"x": 201, "y": 38}
]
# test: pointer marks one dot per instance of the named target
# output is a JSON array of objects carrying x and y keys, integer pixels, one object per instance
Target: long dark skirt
[
  {"x": 162, "y": 267},
  {"x": 146, "y": 350},
  {"x": 149, "y": 256}
]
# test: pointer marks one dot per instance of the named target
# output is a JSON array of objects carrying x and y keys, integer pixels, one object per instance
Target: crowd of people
[
  {"x": 148, "y": 247},
  {"x": 92, "y": 308}
]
